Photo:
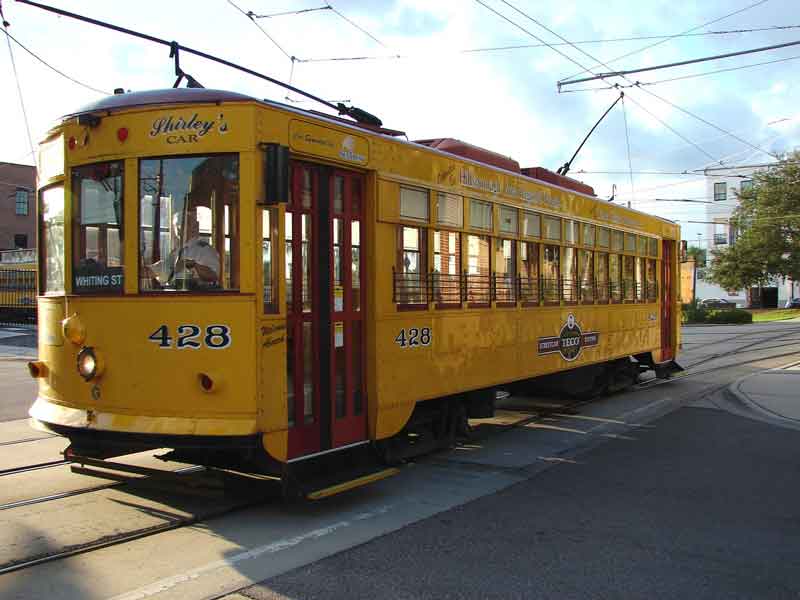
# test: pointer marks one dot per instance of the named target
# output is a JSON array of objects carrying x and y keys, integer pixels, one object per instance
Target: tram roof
[{"x": 205, "y": 96}]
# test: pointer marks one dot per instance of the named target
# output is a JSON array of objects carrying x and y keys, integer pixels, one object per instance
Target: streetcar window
[
  {"x": 505, "y": 267},
  {"x": 529, "y": 278},
  {"x": 601, "y": 271},
  {"x": 630, "y": 243},
  {"x": 569, "y": 274},
  {"x": 508, "y": 219},
  {"x": 51, "y": 244},
  {"x": 551, "y": 227},
  {"x": 413, "y": 204},
  {"x": 531, "y": 225},
  {"x": 551, "y": 273},
  {"x": 602, "y": 237},
  {"x": 478, "y": 269},
  {"x": 97, "y": 228},
  {"x": 639, "y": 278},
  {"x": 447, "y": 267},
  {"x": 268, "y": 236},
  {"x": 652, "y": 283},
  {"x": 652, "y": 247},
  {"x": 628, "y": 277},
  {"x": 450, "y": 210},
  {"x": 641, "y": 246},
  {"x": 616, "y": 241},
  {"x": 410, "y": 271},
  {"x": 615, "y": 277},
  {"x": 586, "y": 274},
  {"x": 571, "y": 231},
  {"x": 189, "y": 223},
  {"x": 588, "y": 234},
  {"x": 480, "y": 214}
]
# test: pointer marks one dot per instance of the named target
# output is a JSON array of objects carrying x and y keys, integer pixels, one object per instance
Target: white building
[{"x": 723, "y": 187}]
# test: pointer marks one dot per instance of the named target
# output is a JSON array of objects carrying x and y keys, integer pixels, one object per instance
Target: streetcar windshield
[
  {"x": 189, "y": 221},
  {"x": 97, "y": 228},
  {"x": 51, "y": 244}
]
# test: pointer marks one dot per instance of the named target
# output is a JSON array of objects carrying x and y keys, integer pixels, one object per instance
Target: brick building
[{"x": 17, "y": 206}]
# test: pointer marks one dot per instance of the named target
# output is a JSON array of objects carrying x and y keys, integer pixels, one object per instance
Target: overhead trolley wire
[
  {"x": 628, "y": 145},
  {"x": 6, "y": 25},
  {"x": 357, "y": 26},
  {"x": 252, "y": 17},
  {"x": 52, "y": 68},
  {"x": 642, "y": 49},
  {"x": 289, "y": 12},
  {"x": 540, "y": 45},
  {"x": 679, "y": 78},
  {"x": 678, "y": 63},
  {"x": 710, "y": 124}
]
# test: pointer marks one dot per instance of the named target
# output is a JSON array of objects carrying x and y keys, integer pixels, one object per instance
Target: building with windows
[
  {"x": 17, "y": 206},
  {"x": 723, "y": 187}
]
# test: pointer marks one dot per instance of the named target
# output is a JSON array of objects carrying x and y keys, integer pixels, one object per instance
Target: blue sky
[{"x": 504, "y": 100}]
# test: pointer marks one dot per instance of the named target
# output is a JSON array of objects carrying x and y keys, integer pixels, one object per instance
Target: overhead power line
[
  {"x": 531, "y": 46},
  {"x": 52, "y": 68},
  {"x": 680, "y": 78},
  {"x": 718, "y": 19},
  {"x": 6, "y": 24},
  {"x": 288, "y": 12},
  {"x": 252, "y": 17},
  {"x": 676, "y": 64},
  {"x": 357, "y": 26}
]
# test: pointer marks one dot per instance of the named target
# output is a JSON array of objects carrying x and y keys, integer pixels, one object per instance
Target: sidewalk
[{"x": 774, "y": 392}]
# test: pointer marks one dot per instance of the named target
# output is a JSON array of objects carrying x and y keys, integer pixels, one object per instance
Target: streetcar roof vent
[
  {"x": 563, "y": 181},
  {"x": 459, "y": 148}
]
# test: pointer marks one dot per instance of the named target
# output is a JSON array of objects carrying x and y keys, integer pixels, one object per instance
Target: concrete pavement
[{"x": 774, "y": 393}]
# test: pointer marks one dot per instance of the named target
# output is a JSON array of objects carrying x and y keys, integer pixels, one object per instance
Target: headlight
[{"x": 90, "y": 365}]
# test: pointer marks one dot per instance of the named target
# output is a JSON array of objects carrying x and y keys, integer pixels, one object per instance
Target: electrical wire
[
  {"x": 710, "y": 124},
  {"x": 530, "y": 46},
  {"x": 251, "y": 16},
  {"x": 628, "y": 145},
  {"x": 361, "y": 29},
  {"x": 19, "y": 87},
  {"x": 675, "y": 131},
  {"x": 533, "y": 35},
  {"x": 682, "y": 77},
  {"x": 291, "y": 12},
  {"x": 52, "y": 68},
  {"x": 642, "y": 49},
  {"x": 680, "y": 63}
]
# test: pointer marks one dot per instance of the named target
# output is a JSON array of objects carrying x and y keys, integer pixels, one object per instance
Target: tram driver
[{"x": 194, "y": 263}]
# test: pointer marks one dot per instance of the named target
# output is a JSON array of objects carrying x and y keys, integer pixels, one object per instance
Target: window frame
[
  {"x": 235, "y": 225},
  {"x": 22, "y": 197},
  {"x": 720, "y": 191},
  {"x": 427, "y": 204}
]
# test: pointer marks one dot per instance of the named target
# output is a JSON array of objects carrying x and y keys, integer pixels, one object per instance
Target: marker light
[
  {"x": 122, "y": 134},
  {"x": 209, "y": 382},
  {"x": 90, "y": 364},
  {"x": 37, "y": 369},
  {"x": 72, "y": 143},
  {"x": 74, "y": 330}
]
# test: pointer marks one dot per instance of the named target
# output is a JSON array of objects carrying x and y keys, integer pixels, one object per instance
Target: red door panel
[{"x": 668, "y": 251}]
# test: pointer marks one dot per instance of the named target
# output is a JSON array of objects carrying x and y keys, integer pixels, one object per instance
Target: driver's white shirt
[{"x": 195, "y": 249}]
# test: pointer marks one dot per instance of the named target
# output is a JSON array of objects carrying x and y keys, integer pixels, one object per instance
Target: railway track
[
  {"x": 34, "y": 467},
  {"x": 562, "y": 411}
]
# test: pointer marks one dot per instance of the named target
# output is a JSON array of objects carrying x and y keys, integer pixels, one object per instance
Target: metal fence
[{"x": 17, "y": 297}]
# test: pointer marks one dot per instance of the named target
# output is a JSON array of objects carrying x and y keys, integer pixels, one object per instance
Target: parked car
[
  {"x": 717, "y": 303},
  {"x": 793, "y": 303}
]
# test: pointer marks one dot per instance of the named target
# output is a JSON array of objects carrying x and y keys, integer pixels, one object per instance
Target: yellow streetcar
[{"x": 284, "y": 292}]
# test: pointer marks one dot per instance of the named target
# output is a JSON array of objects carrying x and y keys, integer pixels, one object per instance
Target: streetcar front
[{"x": 151, "y": 265}]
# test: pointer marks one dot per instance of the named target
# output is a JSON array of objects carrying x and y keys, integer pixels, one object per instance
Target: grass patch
[{"x": 774, "y": 314}]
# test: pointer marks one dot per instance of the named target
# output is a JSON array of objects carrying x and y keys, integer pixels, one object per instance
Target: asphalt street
[{"x": 704, "y": 504}]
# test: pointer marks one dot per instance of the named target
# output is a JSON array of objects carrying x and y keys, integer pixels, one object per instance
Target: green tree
[
  {"x": 767, "y": 222},
  {"x": 698, "y": 255}
]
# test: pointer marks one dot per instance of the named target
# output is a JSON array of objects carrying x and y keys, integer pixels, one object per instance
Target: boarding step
[
  {"x": 667, "y": 369},
  {"x": 336, "y": 472}
]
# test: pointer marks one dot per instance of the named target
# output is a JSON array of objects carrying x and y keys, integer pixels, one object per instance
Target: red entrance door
[
  {"x": 325, "y": 289},
  {"x": 668, "y": 251}
]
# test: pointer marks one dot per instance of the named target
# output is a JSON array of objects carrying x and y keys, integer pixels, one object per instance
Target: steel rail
[
  {"x": 104, "y": 486},
  {"x": 36, "y": 467}
]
